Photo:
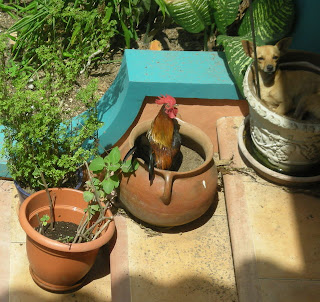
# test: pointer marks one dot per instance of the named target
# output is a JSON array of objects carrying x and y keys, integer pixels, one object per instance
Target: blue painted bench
[{"x": 185, "y": 74}]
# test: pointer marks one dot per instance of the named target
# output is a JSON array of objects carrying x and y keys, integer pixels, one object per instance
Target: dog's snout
[{"x": 270, "y": 68}]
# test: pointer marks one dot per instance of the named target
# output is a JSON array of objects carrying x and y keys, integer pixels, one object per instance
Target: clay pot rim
[
  {"x": 55, "y": 245},
  {"x": 145, "y": 126}
]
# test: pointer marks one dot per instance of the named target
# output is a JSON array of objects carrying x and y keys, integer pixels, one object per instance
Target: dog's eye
[
  {"x": 275, "y": 57},
  {"x": 260, "y": 58}
]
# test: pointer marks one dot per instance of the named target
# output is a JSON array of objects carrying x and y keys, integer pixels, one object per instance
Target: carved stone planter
[{"x": 290, "y": 145}]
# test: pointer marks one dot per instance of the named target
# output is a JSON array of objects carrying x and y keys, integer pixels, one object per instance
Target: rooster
[{"x": 163, "y": 140}]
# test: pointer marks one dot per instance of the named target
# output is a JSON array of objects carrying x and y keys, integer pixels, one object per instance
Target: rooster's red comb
[{"x": 168, "y": 99}]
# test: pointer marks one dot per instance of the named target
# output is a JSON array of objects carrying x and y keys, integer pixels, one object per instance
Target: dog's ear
[
  {"x": 284, "y": 44},
  {"x": 247, "y": 47}
]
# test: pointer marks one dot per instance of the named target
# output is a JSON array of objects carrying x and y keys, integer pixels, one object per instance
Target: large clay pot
[
  {"x": 174, "y": 198},
  {"x": 289, "y": 145},
  {"x": 56, "y": 266}
]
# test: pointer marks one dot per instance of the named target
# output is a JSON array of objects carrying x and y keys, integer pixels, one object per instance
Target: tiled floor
[
  {"x": 274, "y": 234},
  {"x": 283, "y": 224}
]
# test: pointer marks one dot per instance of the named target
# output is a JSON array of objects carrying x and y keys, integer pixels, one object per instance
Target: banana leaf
[
  {"x": 238, "y": 61},
  {"x": 272, "y": 21},
  {"x": 193, "y": 15},
  {"x": 224, "y": 13}
]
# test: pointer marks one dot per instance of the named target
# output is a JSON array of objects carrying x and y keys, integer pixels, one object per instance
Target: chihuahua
[{"x": 285, "y": 90}]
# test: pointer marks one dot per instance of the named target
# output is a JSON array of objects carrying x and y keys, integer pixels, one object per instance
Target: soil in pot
[{"x": 63, "y": 231}]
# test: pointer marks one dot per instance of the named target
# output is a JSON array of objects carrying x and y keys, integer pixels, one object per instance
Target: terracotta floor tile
[
  {"x": 17, "y": 233},
  {"x": 282, "y": 226},
  {"x": 290, "y": 290},
  {"x": 191, "y": 266},
  {"x": 6, "y": 188},
  {"x": 285, "y": 228}
]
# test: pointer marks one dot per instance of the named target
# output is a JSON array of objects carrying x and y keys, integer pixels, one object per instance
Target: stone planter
[
  {"x": 289, "y": 145},
  {"x": 174, "y": 198}
]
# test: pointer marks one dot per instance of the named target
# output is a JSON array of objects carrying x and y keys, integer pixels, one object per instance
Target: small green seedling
[
  {"x": 67, "y": 239},
  {"x": 44, "y": 219}
]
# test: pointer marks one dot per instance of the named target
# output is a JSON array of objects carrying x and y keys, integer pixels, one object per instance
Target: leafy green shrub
[
  {"x": 79, "y": 30},
  {"x": 38, "y": 135}
]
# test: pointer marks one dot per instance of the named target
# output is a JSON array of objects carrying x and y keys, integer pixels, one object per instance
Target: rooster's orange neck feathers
[{"x": 162, "y": 128}]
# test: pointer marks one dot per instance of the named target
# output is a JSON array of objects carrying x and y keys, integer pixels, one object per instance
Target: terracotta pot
[
  {"x": 290, "y": 146},
  {"x": 174, "y": 198},
  {"x": 56, "y": 266}
]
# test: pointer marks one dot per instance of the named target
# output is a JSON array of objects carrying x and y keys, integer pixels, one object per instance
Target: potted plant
[
  {"x": 283, "y": 143},
  {"x": 60, "y": 265},
  {"x": 40, "y": 134}
]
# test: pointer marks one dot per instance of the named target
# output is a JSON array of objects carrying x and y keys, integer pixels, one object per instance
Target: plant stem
[
  {"x": 50, "y": 200},
  {"x": 101, "y": 229},
  {"x": 94, "y": 189},
  {"x": 80, "y": 230},
  {"x": 40, "y": 224}
]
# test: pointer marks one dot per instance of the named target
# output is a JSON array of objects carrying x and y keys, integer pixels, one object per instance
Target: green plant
[
  {"x": 39, "y": 136},
  {"x": 273, "y": 20},
  {"x": 43, "y": 221},
  {"x": 9, "y": 9},
  {"x": 101, "y": 193},
  {"x": 112, "y": 167},
  {"x": 81, "y": 30}
]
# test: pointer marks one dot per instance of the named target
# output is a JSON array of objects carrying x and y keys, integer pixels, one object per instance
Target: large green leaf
[
  {"x": 272, "y": 20},
  {"x": 238, "y": 61},
  {"x": 97, "y": 164},
  {"x": 192, "y": 15},
  {"x": 224, "y": 13}
]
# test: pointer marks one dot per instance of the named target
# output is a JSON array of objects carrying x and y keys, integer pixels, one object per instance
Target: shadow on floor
[
  {"x": 25, "y": 296},
  {"x": 186, "y": 289},
  {"x": 101, "y": 267}
]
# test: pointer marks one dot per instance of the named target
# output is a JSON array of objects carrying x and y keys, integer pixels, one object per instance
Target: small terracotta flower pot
[
  {"x": 174, "y": 198},
  {"x": 55, "y": 266}
]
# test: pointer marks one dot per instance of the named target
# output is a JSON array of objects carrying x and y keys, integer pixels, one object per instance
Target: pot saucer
[
  {"x": 55, "y": 288},
  {"x": 267, "y": 173}
]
